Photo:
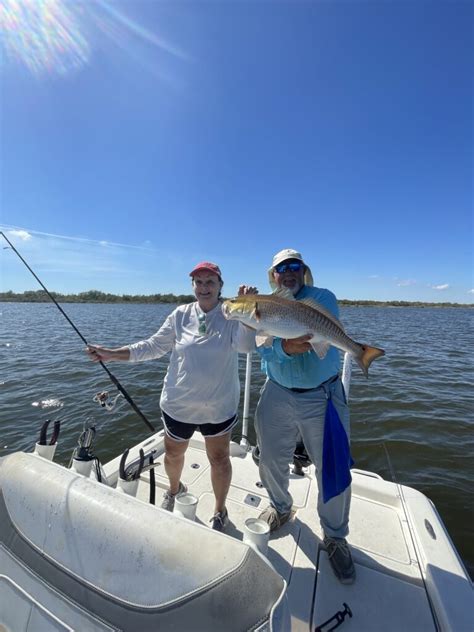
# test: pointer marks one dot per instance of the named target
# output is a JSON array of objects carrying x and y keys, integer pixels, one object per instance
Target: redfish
[{"x": 281, "y": 315}]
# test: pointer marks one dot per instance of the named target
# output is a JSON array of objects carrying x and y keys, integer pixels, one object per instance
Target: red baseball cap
[{"x": 206, "y": 265}]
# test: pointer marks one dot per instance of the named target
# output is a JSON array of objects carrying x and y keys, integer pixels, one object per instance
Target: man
[{"x": 293, "y": 402}]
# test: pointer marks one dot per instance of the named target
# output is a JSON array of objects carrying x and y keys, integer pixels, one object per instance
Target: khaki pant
[{"x": 281, "y": 415}]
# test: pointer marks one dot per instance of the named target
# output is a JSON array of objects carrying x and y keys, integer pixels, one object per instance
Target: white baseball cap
[{"x": 284, "y": 255}]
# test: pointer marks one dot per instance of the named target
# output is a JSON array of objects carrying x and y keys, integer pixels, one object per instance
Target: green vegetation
[
  {"x": 362, "y": 303},
  {"x": 95, "y": 296}
]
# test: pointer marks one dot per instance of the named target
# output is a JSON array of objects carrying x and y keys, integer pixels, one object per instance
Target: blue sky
[{"x": 138, "y": 138}]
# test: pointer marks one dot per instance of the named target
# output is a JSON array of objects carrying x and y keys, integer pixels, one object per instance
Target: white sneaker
[{"x": 169, "y": 498}]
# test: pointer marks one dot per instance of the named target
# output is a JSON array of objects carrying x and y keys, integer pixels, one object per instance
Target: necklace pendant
[{"x": 202, "y": 324}]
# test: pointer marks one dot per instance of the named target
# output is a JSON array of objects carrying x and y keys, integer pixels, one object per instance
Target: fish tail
[{"x": 368, "y": 355}]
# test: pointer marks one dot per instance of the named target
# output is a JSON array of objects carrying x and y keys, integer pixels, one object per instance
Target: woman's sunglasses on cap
[{"x": 294, "y": 266}]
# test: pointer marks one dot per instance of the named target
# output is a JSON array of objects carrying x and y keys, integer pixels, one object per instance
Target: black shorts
[{"x": 180, "y": 431}]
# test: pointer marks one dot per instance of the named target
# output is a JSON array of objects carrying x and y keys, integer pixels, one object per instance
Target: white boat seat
[{"x": 130, "y": 564}]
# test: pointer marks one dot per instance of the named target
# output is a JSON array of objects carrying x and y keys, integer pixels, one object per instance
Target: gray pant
[{"x": 281, "y": 414}]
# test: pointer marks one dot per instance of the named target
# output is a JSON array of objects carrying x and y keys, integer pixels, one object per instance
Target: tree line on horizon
[
  {"x": 96, "y": 296},
  {"x": 93, "y": 296}
]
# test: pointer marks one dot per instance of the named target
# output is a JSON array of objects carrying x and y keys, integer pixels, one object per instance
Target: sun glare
[
  {"x": 55, "y": 37},
  {"x": 43, "y": 35}
]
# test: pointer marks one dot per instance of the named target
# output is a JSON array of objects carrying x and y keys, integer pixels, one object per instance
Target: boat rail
[{"x": 244, "y": 442}]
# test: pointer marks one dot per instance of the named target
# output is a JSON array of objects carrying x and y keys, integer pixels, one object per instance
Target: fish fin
[
  {"x": 263, "y": 340},
  {"x": 369, "y": 354},
  {"x": 284, "y": 292},
  {"x": 320, "y": 348},
  {"x": 256, "y": 312},
  {"x": 315, "y": 305}
]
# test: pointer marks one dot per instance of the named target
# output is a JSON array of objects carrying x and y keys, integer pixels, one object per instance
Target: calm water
[{"x": 418, "y": 400}]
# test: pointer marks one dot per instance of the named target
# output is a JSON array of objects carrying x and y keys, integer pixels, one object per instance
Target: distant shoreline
[{"x": 95, "y": 296}]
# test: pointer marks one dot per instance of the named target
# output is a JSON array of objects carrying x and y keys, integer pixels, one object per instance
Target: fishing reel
[
  {"x": 84, "y": 460},
  {"x": 83, "y": 452},
  {"x": 104, "y": 400},
  {"x": 83, "y": 456}
]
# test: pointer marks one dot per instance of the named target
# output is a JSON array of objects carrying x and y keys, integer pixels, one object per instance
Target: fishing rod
[{"x": 109, "y": 373}]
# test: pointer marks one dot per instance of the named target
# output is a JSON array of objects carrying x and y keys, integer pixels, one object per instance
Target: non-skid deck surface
[{"x": 388, "y": 593}]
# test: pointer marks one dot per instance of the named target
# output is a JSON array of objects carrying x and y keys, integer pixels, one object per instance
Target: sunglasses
[{"x": 295, "y": 266}]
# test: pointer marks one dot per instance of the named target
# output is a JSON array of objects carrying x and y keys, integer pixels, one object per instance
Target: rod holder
[
  {"x": 82, "y": 467},
  {"x": 256, "y": 534},
  {"x": 185, "y": 505},
  {"x": 127, "y": 487},
  {"x": 46, "y": 451}
]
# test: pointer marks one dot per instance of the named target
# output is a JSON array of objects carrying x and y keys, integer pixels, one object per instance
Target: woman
[{"x": 201, "y": 388}]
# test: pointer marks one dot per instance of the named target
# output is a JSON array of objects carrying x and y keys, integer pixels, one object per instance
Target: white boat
[{"x": 78, "y": 554}]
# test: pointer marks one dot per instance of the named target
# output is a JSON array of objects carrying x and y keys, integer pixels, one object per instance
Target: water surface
[{"x": 412, "y": 420}]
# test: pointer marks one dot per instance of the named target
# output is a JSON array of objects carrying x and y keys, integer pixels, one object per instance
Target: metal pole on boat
[
  {"x": 245, "y": 420},
  {"x": 346, "y": 373},
  {"x": 109, "y": 373}
]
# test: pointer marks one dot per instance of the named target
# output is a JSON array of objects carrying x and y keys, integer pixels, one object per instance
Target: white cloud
[
  {"x": 71, "y": 264},
  {"x": 374, "y": 276},
  {"x": 21, "y": 234},
  {"x": 26, "y": 235},
  {"x": 406, "y": 282},
  {"x": 444, "y": 286},
  {"x": 471, "y": 291}
]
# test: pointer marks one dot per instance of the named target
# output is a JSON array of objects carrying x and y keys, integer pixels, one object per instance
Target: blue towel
[{"x": 337, "y": 460}]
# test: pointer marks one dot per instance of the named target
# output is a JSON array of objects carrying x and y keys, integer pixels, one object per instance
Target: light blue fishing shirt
[{"x": 304, "y": 370}]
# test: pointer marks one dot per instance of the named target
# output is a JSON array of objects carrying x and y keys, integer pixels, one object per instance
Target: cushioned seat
[{"x": 130, "y": 565}]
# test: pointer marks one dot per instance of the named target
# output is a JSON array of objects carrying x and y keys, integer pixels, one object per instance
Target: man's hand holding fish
[{"x": 298, "y": 336}]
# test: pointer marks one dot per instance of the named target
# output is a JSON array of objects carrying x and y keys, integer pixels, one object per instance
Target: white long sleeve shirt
[{"x": 202, "y": 381}]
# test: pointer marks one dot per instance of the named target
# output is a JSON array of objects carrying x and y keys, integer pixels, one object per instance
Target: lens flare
[
  {"x": 44, "y": 35},
  {"x": 58, "y": 37}
]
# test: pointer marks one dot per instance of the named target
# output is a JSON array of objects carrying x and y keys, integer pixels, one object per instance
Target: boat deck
[{"x": 389, "y": 592}]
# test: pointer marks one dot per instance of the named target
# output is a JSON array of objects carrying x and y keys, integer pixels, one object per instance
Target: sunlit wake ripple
[
  {"x": 44, "y": 35},
  {"x": 48, "y": 403}
]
